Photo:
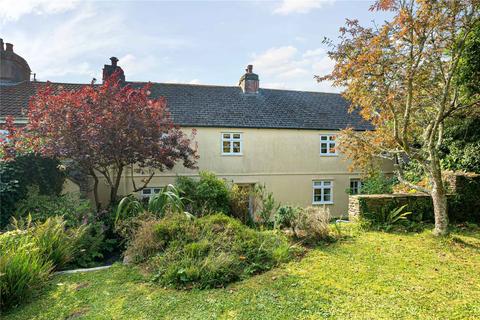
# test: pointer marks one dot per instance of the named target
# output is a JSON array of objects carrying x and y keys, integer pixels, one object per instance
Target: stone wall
[{"x": 463, "y": 201}]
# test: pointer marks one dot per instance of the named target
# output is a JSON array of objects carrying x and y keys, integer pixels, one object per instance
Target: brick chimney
[
  {"x": 110, "y": 69},
  {"x": 249, "y": 82}
]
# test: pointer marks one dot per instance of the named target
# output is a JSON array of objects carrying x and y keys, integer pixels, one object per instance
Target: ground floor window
[
  {"x": 355, "y": 186},
  {"x": 322, "y": 192},
  {"x": 149, "y": 192}
]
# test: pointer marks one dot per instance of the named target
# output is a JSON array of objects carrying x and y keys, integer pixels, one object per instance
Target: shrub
[
  {"x": 22, "y": 268},
  {"x": 385, "y": 218},
  {"x": 239, "y": 204},
  {"x": 378, "y": 183},
  {"x": 27, "y": 170},
  {"x": 55, "y": 242},
  {"x": 40, "y": 207},
  {"x": 315, "y": 223},
  {"x": 131, "y": 213},
  {"x": 144, "y": 242},
  {"x": 287, "y": 217},
  {"x": 265, "y": 206},
  {"x": 167, "y": 200},
  {"x": 207, "y": 195},
  {"x": 208, "y": 252},
  {"x": 91, "y": 245}
]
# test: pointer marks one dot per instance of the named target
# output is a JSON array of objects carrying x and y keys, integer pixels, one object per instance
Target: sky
[{"x": 197, "y": 42}]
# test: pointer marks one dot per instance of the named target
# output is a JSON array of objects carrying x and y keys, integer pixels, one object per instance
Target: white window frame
[
  {"x": 329, "y": 143},
  {"x": 320, "y": 185},
  {"x": 151, "y": 194},
  {"x": 231, "y": 140},
  {"x": 359, "y": 185}
]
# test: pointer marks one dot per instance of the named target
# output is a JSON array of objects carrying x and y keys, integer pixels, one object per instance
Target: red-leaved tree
[{"x": 106, "y": 128}]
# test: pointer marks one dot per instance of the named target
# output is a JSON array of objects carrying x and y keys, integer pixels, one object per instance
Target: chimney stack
[
  {"x": 9, "y": 47},
  {"x": 2, "y": 48},
  {"x": 109, "y": 70},
  {"x": 249, "y": 82}
]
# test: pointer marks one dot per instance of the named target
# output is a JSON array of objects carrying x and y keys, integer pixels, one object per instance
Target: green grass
[{"x": 372, "y": 275}]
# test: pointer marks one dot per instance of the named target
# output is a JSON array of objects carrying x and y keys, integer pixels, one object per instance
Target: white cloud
[
  {"x": 289, "y": 68},
  {"x": 134, "y": 66},
  {"x": 75, "y": 49},
  {"x": 300, "y": 6},
  {"x": 66, "y": 49},
  {"x": 12, "y": 10}
]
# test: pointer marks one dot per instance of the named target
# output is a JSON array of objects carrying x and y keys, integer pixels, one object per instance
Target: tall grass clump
[
  {"x": 30, "y": 252},
  {"x": 22, "y": 268},
  {"x": 207, "y": 252},
  {"x": 56, "y": 243}
]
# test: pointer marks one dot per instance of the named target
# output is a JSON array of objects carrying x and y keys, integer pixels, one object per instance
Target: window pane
[
  {"x": 332, "y": 148},
  {"x": 323, "y": 148},
  {"x": 332, "y": 138},
  {"x": 226, "y": 146},
  {"x": 327, "y": 183},
  {"x": 236, "y": 136},
  {"x": 327, "y": 197},
  {"x": 156, "y": 190},
  {"x": 317, "y": 195},
  {"x": 236, "y": 147},
  {"x": 226, "y": 136},
  {"x": 324, "y": 138},
  {"x": 147, "y": 191},
  {"x": 317, "y": 183}
]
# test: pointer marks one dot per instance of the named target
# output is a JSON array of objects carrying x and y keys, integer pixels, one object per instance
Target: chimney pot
[
  {"x": 9, "y": 47},
  {"x": 110, "y": 69},
  {"x": 249, "y": 68},
  {"x": 114, "y": 61}
]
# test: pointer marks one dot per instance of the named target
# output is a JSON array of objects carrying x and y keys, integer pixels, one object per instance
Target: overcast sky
[{"x": 202, "y": 42}]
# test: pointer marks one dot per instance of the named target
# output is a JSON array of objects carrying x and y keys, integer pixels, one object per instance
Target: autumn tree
[
  {"x": 400, "y": 77},
  {"x": 106, "y": 128}
]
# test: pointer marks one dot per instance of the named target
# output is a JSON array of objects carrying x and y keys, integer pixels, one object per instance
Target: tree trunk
[
  {"x": 439, "y": 198},
  {"x": 95, "y": 189},
  {"x": 114, "y": 188}
]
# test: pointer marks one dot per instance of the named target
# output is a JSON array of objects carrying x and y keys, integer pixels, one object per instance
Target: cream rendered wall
[{"x": 287, "y": 161}]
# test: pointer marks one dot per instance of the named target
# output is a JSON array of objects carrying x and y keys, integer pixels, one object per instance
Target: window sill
[
  {"x": 329, "y": 155},
  {"x": 319, "y": 203},
  {"x": 232, "y": 154}
]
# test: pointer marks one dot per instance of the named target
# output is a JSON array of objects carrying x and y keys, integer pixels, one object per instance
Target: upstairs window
[
  {"x": 232, "y": 143},
  {"x": 149, "y": 192},
  {"x": 355, "y": 186},
  {"x": 322, "y": 192},
  {"x": 328, "y": 145}
]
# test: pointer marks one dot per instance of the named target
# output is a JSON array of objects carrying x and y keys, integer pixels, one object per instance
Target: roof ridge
[
  {"x": 182, "y": 84},
  {"x": 225, "y": 86}
]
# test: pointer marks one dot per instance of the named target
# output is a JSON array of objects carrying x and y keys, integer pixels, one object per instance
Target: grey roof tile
[{"x": 224, "y": 106}]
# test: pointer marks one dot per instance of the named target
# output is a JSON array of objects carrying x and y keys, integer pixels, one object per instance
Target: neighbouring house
[{"x": 247, "y": 134}]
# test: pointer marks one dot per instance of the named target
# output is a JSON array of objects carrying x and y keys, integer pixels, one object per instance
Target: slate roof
[
  {"x": 225, "y": 106},
  {"x": 14, "y": 98}
]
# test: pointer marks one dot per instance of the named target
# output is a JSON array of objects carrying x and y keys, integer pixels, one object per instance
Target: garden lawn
[{"x": 371, "y": 275}]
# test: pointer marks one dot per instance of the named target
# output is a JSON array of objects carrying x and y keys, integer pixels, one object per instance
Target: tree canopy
[
  {"x": 400, "y": 76},
  {"x": 105, "y": 128}
]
